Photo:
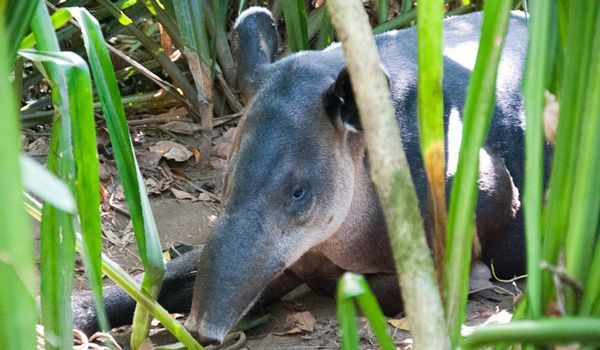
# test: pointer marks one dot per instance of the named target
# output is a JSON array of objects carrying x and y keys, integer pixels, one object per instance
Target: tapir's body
[{"x": 299, "y": 205}]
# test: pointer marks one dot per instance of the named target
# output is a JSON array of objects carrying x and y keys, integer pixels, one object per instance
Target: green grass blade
[
  {"x": 134, "y": 187},
  {"x": 534, "y": 84},
  {"x": 560, "y": 330},
  {"x": 45, "y": 185},
  {"x": 17, "y": 305},
  {"x": 346, "y": 312},
  {"x": 477, "y": 117},
  {"x": 355, "y": 287},
  {"x": 585, "y": 212},
  {"x": 381, "y": 6},
  {"x": 406, "y": 6},
  {"x": 19, "y": 14},
  {"x": 400, "y": 21},
  {"x": 59, "y": 19},
  {"x": 294, "y": 13},
  {"x": 325, "y": 31},
  {"x": 74, "y": 139},
  {"x": 430, "y": 14},
  {"x": 573, "y": 85},
  {"x": 69, "y": 73}
]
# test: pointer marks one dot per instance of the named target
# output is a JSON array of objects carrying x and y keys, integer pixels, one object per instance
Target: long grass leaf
[
  {"x": 294, "y": 13},
  {"x": 17, "y": 305},
  {"x": 534, "y": 84},
  {"x": 134, "y": 187},
  {"x": 477, "y": 117},
  {"x": 39, "y": 181},
  {"x": 351, "y": 288},
  {"x": 17, "y": 23},
  {"x": 430, "y": 14},
  {"x": 572, "y": 92}
]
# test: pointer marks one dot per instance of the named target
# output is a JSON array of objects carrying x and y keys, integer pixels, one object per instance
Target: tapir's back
[{"x": 398, "y": 52}]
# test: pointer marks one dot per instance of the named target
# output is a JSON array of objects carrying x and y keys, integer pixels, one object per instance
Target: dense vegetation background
[{"x": 66, "y": 62}]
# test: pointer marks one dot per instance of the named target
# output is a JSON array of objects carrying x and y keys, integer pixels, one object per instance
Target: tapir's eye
[
  {"x": 298, "y": 192},
  {"x": 299, "y": 199}
]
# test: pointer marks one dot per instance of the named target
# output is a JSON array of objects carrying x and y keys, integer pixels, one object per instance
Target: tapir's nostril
[{"x": 207, "y": 340}]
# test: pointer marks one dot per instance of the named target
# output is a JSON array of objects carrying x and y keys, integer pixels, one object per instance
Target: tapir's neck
[{"x": 361, "y": 243}]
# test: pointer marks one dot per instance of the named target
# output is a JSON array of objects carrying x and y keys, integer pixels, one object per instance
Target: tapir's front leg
[{"x": 175, "y": 295}]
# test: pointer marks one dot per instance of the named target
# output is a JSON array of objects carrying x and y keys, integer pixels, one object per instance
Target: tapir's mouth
[{"x": 235, "y": 268}]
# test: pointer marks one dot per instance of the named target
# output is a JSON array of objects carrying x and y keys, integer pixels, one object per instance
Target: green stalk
[
  {"x": 133, "y": 183},
  {"x": 545, "y": 331},
  {"x": 477, "y": 117},
  {"x": 534, "y": 84},
  {"x": 572, "y": 93},
  {"x": 325, "y": 31},
  {"x": 17, "y": 304},
  {"x": 430, "y": 14},
  {"x": 294, "y": 13},
  {"x": 381, "y": 6},
  {"x": 400, "y": 21},
  {"x": 583, "y": 215},
  {"x": 17, "y": 24},
  {"x": 352, "y": 287},
  {"x": 586, "y": 202},
  {"x": 75, "y": 142}
]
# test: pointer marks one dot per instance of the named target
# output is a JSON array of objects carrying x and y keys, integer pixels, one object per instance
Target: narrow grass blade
[
  {"x": 19, "y": 14},
  {"x": 352, "y": 287},
  {"x": 430, "y": 14},
  {"x": 294, "y": 13},
  {"x": 17, "y": 305},
  {"x": 39, "y": 181},
  {"x": 548, "y": 331},
  {"x": 74, "y": 139},
  {"x": 535, "y": 82},
  {"x": 400, "y": 21},
  {"x": 381, "y": 6},
  {"x": 476, "y": 118},
  {"x": 325, "y": 31},
  {"x": 134, "y": 187},
  {"x": 129, "y": 285},
  {"x": 573, "y": 86},
  {"x": 585, "y": 212},
  {"x": 58, "y": 18},
  {"x": 70, "y": 76}
]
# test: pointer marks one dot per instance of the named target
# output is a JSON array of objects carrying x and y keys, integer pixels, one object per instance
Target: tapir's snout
[{"x": 237, "y": 264}]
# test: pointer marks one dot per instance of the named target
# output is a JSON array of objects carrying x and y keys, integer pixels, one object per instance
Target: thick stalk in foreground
[{"x": 390, "y": 174}]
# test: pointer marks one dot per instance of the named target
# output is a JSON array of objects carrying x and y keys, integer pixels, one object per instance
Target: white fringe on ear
[{"x": 250, "y": 11}]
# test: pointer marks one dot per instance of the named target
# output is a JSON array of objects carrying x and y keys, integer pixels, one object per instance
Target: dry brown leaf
[
  {"x": 148, "y": 159},
  {"x": 172, "y": 150},
  {"x": 204, "y": 197},
  {"x": 179, "y": 194},
  {"x": 180, "y": 127},
  {"x": 153, "y": 186},
  {"x": 197, "y": 155},
  {"x": 38, "y": 147},
  {"x": 303, "y": 320},
  {"x": 401, "y": 324}
]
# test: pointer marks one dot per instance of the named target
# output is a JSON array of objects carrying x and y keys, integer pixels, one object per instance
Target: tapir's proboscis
[{"x": 298, "y": 202}]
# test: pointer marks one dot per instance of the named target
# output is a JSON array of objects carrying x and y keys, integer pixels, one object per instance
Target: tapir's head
[{"x": 291, "y": 174}]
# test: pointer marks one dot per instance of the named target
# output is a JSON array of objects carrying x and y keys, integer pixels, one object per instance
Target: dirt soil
[{"x": 184, "y": 201}]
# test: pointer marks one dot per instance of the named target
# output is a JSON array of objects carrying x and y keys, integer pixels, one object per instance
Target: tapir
[{"x": 298, "y": 202}]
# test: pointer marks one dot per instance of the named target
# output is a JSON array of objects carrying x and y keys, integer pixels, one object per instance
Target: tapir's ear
[
  {"x": 254, "y": 43},
  {"x": 339, "y": 102}
]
